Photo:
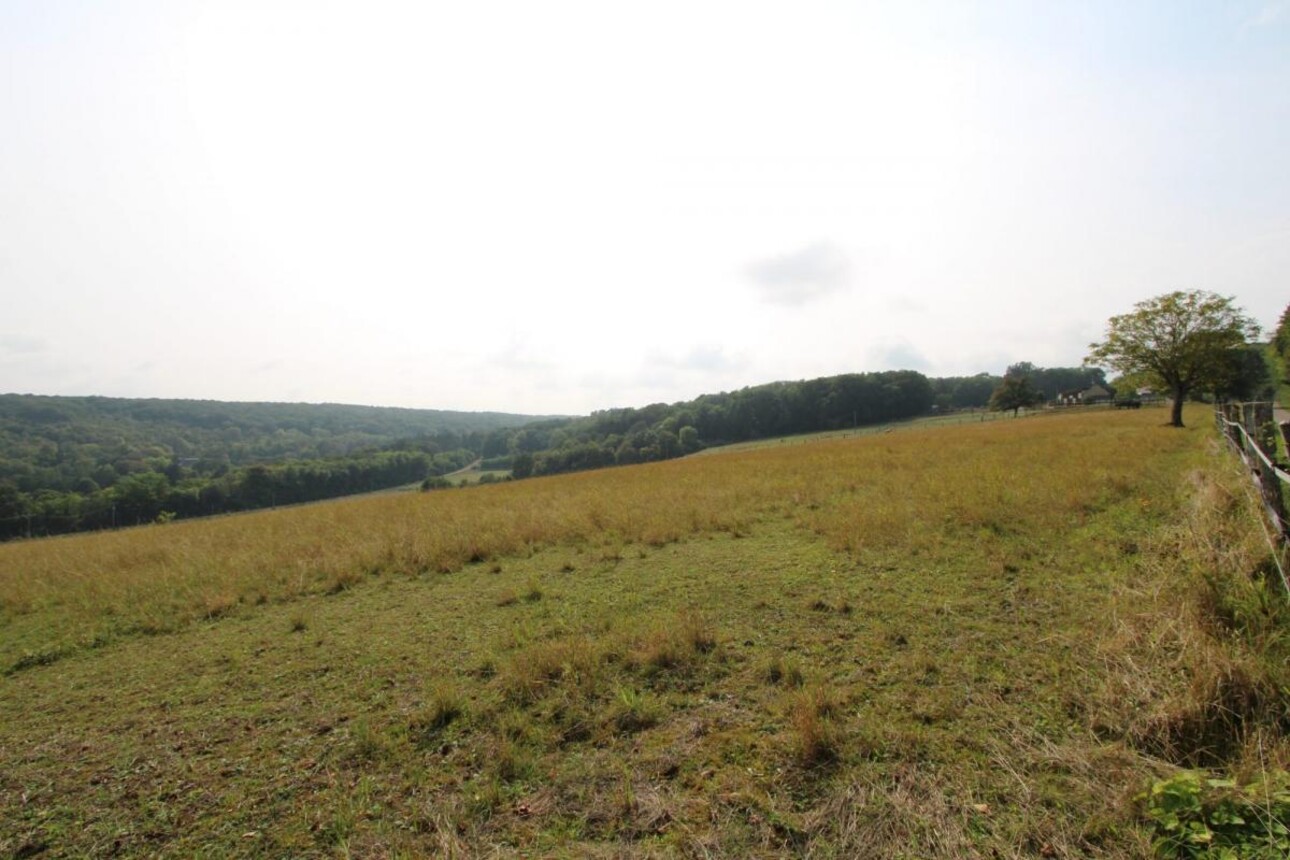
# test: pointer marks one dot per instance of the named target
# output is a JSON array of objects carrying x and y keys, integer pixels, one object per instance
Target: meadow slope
[{"x": 972, "y": 641}]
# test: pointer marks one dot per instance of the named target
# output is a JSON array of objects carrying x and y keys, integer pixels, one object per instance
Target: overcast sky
[{"x": 554, "y": 207}]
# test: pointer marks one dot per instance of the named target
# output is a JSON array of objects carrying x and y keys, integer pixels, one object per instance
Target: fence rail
[{"x": 1251, "y": 429}]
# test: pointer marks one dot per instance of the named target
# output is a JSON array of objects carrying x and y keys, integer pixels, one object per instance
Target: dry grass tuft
[
  {"x": 784, "y": 670},
  {"x": 677, "y": 644},
  {"x": 812, "y": 713},
  {"x": 569, "y": 661},
  {"x": 445, "y": 707}
]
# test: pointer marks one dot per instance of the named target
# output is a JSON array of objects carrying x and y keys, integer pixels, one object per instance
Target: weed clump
[
  {"x": 534, "y": 592},
  {"x": 676, "y": 645},
  {"x": 785, "y": 671},
  {"x": 510, "y": 762},
  {"x": 445, "y": 707},
  {"x": 538, "y": 668},
  {"x": 811, "y": 712},
  {"x": 634, "y": 711},
  {"x": 368, "y": 743},
  {"x": 344, "y": 580}
]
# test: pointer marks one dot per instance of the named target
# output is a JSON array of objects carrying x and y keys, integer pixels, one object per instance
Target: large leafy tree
[
  {"x": 1181, "y": 341},
  {"x": 1015, "y": 392}
]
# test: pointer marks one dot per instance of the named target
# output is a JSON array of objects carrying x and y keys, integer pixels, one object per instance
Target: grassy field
[
  {"x": 474, "y": 476},
  {"x": 973, "y": 417},
  {"x": 974, "y": 641},
  {"x": 981, "y": 416}
]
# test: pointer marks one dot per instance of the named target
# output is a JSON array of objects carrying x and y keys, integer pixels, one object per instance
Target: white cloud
[
  {"x": 1267, "y": 14},
  {"x": 902, "y": 303},
  {"x": 518, "y": 357},
  {"x": 898, "y": 355},
  {"x": 21, "y": 344},
  {"x": 802, "y": 276},
  {"x": 701, "y": 359}
]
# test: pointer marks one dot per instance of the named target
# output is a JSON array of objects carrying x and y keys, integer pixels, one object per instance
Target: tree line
[
  {"x": 70, "y": 464},
  {"x": 662, "y": 431},
  {"x": 152, "y": 496},
  {"x": 85, "y": 444}
]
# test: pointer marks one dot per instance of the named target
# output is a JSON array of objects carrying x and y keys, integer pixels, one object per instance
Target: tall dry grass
[
  {"x": 1197, "y": 671},
  {"x": 874, "y": 491}
]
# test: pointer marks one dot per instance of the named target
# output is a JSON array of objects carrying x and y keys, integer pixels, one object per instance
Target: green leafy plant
[{"x": 1199, "y": 817}]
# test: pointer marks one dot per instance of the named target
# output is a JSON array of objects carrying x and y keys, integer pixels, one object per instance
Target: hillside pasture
[{"x": 974, "y": 641}]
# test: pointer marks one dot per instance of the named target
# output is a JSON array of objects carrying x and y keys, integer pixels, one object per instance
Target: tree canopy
[
  {"x": 1281, "y": 343},
  {"x": 1015, "y": 392},
  {"x": 1182, "y": 341}
]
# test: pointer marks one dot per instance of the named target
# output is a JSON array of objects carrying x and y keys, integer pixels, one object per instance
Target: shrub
[{"x": 1196, "y": 817}]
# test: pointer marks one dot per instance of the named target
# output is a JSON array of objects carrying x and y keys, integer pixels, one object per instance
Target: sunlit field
[{"x": 976, "y": 640}]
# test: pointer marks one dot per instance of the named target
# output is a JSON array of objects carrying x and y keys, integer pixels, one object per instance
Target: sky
[{"x": 558, "y": 207}]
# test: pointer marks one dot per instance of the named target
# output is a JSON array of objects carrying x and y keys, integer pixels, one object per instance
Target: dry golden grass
[
  {"x": 1196, "y": 672},
  {"x": 872, "y": 492},
  {"x": 811, "y": 712},
  {"x": 978, "y": 641}
]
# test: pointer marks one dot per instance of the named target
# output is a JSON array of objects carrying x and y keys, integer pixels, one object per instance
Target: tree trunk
[{"x": 1175, "y": 417}]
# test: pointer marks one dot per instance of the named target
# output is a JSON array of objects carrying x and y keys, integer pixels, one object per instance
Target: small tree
[
  {"x": 1182, "y": 341},
  {"x": 1015, "y": 392}
]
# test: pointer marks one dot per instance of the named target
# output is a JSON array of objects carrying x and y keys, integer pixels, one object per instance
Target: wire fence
[{"x": 1252, "y": 431}]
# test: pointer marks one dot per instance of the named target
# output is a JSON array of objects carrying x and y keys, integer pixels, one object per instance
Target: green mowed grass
[
  {"x": 272, "y": 725},
  {"x": 761, "y": 690}
]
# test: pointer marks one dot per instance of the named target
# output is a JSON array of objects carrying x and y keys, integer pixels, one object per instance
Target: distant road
[{"x": 467, "y": 468}]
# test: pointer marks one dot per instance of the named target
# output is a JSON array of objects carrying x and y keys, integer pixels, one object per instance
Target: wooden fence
[{"x": 1252, "y": 431}]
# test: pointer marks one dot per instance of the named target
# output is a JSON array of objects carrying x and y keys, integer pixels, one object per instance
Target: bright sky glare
[{"x": 565, "y": 206}]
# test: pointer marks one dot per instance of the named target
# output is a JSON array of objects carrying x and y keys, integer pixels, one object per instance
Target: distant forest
[{"x": 76, "y": 463}]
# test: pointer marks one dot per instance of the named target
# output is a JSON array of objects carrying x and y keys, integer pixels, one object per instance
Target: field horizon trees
[{"x": 74, "y": 464}]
